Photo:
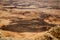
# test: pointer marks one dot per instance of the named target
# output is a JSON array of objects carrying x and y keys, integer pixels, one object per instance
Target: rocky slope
[
  {"x": 26, "y": 24},
  {"x": 30, "y": 21}
]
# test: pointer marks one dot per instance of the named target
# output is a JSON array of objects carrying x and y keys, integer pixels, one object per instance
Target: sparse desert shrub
[
  {"x": 55, "y": 31},
  {"x": 52, "y": 34},
  {"x": 44, "y": 37}
]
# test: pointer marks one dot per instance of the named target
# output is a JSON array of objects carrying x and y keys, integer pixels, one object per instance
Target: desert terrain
[{"x": 29, "y": 20}]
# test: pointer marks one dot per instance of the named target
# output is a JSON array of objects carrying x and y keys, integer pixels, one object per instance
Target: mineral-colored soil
[{"x": 27, "y": 21}]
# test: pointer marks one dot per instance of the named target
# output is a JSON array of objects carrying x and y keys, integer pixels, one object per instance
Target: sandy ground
[{"x": 20, "y": 29}]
